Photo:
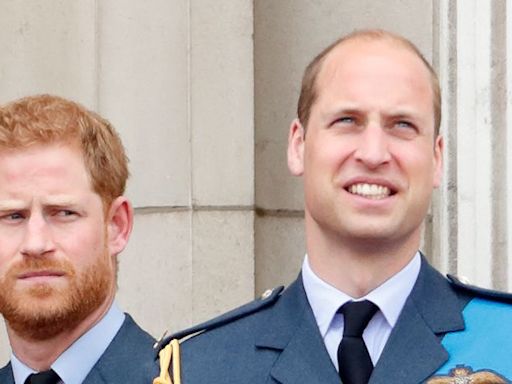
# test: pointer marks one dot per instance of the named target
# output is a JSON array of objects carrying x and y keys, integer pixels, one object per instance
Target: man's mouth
[
  {"x": 370, "y": 191},
  {"x": 40, "y": 274}
]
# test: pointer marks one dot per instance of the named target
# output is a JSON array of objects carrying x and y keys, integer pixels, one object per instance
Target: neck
[
  {"x": 41, "y": 354},
  {"x": 358, "y": 267}
]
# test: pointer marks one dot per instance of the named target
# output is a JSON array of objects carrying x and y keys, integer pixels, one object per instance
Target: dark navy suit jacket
[
  {"x": 276, "y": 339},
  {"x": 128, "y": 359}
]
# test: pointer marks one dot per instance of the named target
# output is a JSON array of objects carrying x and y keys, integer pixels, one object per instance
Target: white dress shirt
[
  {"x": 390, "y": 297},
  {"x": 75, "y": 363}
]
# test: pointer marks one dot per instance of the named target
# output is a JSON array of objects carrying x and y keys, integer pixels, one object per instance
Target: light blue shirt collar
[
  {"x": 390, "y": 297},
  {"x": 75, "y": 363}
]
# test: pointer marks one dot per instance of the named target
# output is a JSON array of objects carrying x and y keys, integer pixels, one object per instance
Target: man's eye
[
  {"x": 65, "y": 213},
  {"x": 346, "y": 120},
  {"x": 404, "y": 124},
  {"x": 15, "y": 216}
]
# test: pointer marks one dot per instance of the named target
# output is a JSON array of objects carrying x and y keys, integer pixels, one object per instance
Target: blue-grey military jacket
[
  {"x": 128, "y": 359},
  {"x": 447, "y": 332}
]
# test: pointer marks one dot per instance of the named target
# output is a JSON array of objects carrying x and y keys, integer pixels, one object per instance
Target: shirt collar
[
  {"x": 19, "y": 370},
  {"x": 390, "y": 297},
  {"x": 75, "y": 363}
]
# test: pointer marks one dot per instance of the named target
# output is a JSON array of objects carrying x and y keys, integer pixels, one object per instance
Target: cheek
[
  {"x": 10, "y": 247},
  {"x": 327, "y": 155},
  {"x": 421, "y": 172},
  {"x": 415, "y": 159},
  {"x": 83, "y": 245}
]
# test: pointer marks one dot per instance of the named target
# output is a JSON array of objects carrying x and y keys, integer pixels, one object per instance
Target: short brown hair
[
  {"x": 309, "y": 93},
  {"x": 46, "y": 119}
]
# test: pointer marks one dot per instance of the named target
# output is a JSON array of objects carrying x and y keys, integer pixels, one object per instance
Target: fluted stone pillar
[{"x": 472, "y": 214}]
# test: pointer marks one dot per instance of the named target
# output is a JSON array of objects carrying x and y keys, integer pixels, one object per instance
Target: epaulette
[
  {"x": 167, "y": 348},
  {"x": 491, "y": 294}
]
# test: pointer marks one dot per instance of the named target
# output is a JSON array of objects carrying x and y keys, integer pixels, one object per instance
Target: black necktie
[
  {"x": 355, "y": 365},
  {"x": 45, "y": 377}
]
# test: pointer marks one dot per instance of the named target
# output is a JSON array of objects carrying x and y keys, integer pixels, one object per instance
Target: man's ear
[
  {"x": 438, "y": 161},
  {"x": 119, "y": 224},
  {"x": 296, "y": 138}
]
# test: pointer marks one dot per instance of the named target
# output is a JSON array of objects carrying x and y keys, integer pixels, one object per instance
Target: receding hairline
[{"x": 309, "y": 91}]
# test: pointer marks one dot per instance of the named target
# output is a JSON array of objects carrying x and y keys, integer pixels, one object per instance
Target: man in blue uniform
[
  {"x": 63, "y": 221},
  {"x": 367, "y": 307}
]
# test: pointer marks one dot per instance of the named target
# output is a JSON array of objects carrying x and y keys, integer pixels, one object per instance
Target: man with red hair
[{"x": 63, "y": 222}]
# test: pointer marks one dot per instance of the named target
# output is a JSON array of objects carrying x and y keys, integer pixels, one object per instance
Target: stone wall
[{"x": 203, "y": 92}]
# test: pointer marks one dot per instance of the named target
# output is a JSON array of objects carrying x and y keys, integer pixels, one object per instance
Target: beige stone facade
[{"x": 203, "y": 91}]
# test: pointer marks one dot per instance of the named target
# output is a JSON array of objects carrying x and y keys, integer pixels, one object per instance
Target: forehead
[
  {"x": 43, "y": 165},
  {"x": 376, "y": 67}
]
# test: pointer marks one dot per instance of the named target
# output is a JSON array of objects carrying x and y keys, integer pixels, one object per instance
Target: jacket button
[{"x": 266, "y": 294}]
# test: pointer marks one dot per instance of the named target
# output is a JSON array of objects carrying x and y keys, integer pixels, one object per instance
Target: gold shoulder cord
[{"x": 170, "y": 352}]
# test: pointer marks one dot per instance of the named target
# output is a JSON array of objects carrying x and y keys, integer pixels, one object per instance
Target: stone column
[{"x": 471, "y": 212}]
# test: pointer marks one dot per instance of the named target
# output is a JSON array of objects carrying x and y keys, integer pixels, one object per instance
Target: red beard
[{"x": 41, "y": 311}]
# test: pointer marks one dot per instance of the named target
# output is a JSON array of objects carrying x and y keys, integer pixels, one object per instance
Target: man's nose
[
  {"x": 373, "y": 146},
  {"x": 37, "y": 240}
]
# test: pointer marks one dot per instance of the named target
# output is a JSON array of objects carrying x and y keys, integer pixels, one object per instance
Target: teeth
[{"x": 370, "y": 191}]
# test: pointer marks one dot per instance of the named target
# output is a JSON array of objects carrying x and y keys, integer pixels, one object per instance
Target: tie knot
[
  {"x": 45, "y": 377},
  {"x": 357, "y": 315}
]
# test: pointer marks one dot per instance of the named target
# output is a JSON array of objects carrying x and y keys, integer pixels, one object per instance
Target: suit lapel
[
  {"x": 6, "y": 376},
  {"x": 414, "y": 351},
  {"x": 94, "y": 377},
  {"x": 291, "y": 330},
  {"x": 128, "y": 359},
  {"x": 305, "y": 360}
]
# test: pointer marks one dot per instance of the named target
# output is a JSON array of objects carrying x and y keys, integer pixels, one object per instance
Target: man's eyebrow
[
  {"x": 403, "y": 112},
  {"x": 341, "y": 110},
  {"x": 348, "y": 108},
  {"x": 12, "y": 205},
  {"x": 60, "y": 200}
]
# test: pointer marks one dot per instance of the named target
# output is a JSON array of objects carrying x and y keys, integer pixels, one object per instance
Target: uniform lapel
[
  {"x": 128, "y": 359},
  {"x": 292, "y": 332},
  {"x": 414, "y": 351},
  {"x": 6, "y": 376},
  {"x": 94, "y": 377}
]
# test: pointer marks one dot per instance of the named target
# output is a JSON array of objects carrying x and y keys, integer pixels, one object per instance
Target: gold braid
[{"x": 170, "y": 352}]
